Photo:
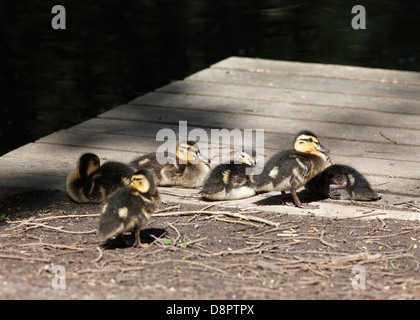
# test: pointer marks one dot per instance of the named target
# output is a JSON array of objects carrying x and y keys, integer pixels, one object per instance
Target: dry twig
[
  {"x": 226, "y": 213},
  {"x": 390, "y": 140},
  {"x": 60, "y": 229},
  {"x": 323, "y": 241}
]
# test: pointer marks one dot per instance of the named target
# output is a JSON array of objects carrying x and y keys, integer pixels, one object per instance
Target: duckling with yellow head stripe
[
  {"x": 230, "y": 181},
  {"x": 187, "y": 168},
  {"x": 130, "y": 208},
  {"x": 290, "y": 170}
]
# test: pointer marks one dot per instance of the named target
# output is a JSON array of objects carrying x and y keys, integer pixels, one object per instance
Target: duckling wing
[
  {"x": 150, "y": 203},
  {"x": 281, "y": 170},
  {"x": 116, "y": 170},
  {"x": 147, "y": 161},
  {"x": 361, "y": 189},
  {"x": 112, "y": 176},
  {"x": 238, "y": 177},
  {"x": 216, "y": 181}
]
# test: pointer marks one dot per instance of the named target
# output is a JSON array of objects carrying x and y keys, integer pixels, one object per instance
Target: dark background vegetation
[{"x": 114, "y": 51}]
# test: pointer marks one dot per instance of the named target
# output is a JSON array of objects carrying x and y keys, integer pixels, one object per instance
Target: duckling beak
[
  {"x": 252, "y": 164},
  {"x": 319, "y": 147},
  {"x": 202, "y": 158}
]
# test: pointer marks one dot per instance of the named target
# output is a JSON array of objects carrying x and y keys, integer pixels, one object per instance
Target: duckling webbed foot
[
  {"x": 137, "y": 242},
  {"x": 285, "y": 202},
  {"x": 299, "y": 204}
]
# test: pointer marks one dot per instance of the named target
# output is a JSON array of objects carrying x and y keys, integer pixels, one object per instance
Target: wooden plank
[
  {"x": 271, "y": 94},
  {"x": 44, "y": 172},
  {"x": 296, "y": 82},
  {"x": 64, "y": 153},
  {"x": 103, "y": 141},
  {"x": 388, "y": 168},
  {"x": 29, "y": 180},
  {"x": 280, "y": 110},
  {"x": 320, "y": 70},
  {"x": 396, "y": 186},
  {"x": 116, "y": 143},
  {"x": 47, "y": 155},
  {"x": 100, "y": 140},
  {"x": 38, "y": 166},
  {"x": 124, "y": 126},
  {"x": 275, "y": 141},
  {"x": 220, "y": 120}
]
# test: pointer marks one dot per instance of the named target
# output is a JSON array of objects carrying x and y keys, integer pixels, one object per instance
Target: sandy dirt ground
[{"x": 49, "y": 250}]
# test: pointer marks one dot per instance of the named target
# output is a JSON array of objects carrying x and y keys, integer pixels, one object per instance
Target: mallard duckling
[
  {"x": 230, "y": 180},
  {"x": 188, "y": 168},
  {"x": 130, "y": 208},
  {"x": 291, "y": 169},
  {"x": 342, "y": 182},
  {"x": 91, "y": 182}
]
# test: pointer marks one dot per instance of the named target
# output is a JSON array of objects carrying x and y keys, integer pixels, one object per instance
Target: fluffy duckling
[
  {"x": 188, "y": 168},
  {"x": 291, "y": 169},
  {"x": 130, "y": 208},
  {"x": 91, "y": 182},
  {"x": 342, "y": 182},
  {"x": 230, "y": 180}
]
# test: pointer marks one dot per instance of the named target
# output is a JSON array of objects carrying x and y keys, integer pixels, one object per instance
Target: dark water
[{"x": 114, "y": 51}]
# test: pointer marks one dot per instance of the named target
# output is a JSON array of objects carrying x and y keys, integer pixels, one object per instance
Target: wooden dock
[{"x": 368, "y": 118}]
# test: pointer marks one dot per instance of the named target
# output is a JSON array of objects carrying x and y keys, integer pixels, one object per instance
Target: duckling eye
[
  {"x": 310, "y": 140},
  {"x": 139, "y": 180}
]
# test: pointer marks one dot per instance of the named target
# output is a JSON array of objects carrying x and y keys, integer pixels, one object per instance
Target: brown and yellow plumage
[
  {"x": 342, "y": 182},
  {"x": 290, "y": 170},
  {"x": 230, "y": 180},
  {"x": 187, "y": 168},
  {"x": 92, "y": 182},
  {"x": 130, "y": 208}
]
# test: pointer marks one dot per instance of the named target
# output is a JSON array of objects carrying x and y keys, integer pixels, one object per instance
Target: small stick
[
  {"x": 321, "y": 239},
  {"x": 240, "y": 222},
  {"x": 363, "y": 216},
  {"x": 169, "y": 208},
  {"x": 191, "y": 219},
  {"x": 7, "y": 256},
  {"x": 390, "y": 140},
  {"x": 356, "y": 256},
  {"x": 178, "y": 235},
  {"x": 53, "y": 245},
  {"x": 101, "y": 254},
  {"x": 56, "y": 217},
  {"x": 227, "y": 213},
  {"x": 209, "y": 206},
  {"x": 58, "y": 228},
  {"x": 205, "y": 208}
]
